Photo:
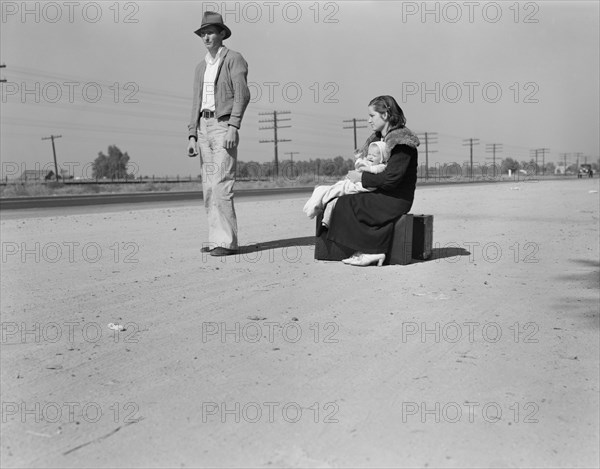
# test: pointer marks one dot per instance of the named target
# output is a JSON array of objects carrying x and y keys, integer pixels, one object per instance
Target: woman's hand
[
  {"x": 354, "y": 176},
  {"x": 360, "y": 164}
]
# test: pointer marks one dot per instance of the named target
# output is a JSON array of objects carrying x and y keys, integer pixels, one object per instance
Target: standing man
[{"x": 221, "y": 96}]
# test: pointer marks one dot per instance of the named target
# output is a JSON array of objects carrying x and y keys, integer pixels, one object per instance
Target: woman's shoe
[
  {"x": 368, "y": 259},
  {"x": 352, "y": 258}
]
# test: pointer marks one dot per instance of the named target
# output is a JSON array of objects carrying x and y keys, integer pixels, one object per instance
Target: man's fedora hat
[{"x": 211, "y": 18}]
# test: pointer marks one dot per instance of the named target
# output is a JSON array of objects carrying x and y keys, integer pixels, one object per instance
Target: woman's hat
[{"x": 211, "y": 18}]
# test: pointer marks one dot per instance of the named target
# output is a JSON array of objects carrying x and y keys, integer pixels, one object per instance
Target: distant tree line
[
  {"x": 339, "y": 167},
  {"x": 288, "y": 169},
  {"x": 114, "y": 165}
]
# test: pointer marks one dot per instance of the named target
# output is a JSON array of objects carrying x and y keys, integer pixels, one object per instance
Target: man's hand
[
  {"x": 192, "y": 148},
  {"x": 231, "y": 138},
  {"x": 354, "y": 176}
]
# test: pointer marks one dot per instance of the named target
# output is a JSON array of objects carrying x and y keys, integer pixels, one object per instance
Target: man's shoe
[
  {"x": 219, "y": 251},
  {"x": 206, "y": 249}
]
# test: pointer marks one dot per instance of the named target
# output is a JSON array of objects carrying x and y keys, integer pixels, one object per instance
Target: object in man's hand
[{"x": 192, "y": 152}]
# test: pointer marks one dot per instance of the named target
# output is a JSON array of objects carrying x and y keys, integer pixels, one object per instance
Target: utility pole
[
  {"x": 564, "y": 155},
  {"x": 543, "y": 152},
  {"x": 292, "y": 153},
  {"x": 531, "y": 152},
  {"x": 52, "y": 137},
  {"x": 430, "y": 138},
  {"x": 470, "y": 142},
  {"x": 354, "y": 126},
  {"x": 493, "y": 148},
  {"x": 578, "y": 155},
  {"x": 275, "y": 140},
  {"x": 3, "y": 80}
]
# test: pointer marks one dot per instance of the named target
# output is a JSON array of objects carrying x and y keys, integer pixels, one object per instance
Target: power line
[
  {"x": 170, "y": 104},
  {"x": 52, "y": 137},
  {"x": 354, "y": 126},
  {"x": 275, "y": 127}
]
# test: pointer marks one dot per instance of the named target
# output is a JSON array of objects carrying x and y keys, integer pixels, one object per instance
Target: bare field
[{"x": 486, "y": 355}]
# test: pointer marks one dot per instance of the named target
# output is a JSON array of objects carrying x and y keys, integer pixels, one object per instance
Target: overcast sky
[{"x": 524, "y": 75}]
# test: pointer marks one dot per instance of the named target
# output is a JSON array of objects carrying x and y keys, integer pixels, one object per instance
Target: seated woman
[{"x": 365, "y": 221}]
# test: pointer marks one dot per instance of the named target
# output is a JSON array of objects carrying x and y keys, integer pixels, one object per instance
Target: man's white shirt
[{"x": 210, "y": 74}]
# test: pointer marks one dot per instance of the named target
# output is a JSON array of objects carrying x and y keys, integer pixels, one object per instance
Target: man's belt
[{"x": 207, "y": 114}]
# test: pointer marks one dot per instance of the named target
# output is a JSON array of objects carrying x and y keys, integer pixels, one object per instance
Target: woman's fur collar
[{"x": 397, "y": 136}]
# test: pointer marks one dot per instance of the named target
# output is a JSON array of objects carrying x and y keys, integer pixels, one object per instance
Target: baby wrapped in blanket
[{"x": 374, "y": 162}]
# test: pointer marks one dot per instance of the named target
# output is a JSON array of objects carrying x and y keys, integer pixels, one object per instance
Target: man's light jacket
[{"x": 232, "y": 94}]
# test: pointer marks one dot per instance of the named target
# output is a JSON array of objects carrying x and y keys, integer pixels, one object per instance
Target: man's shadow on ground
[{"x": 277, "y": 244}]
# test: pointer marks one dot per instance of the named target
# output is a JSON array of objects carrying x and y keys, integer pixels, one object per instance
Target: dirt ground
[{"x": 487, "y": 355}]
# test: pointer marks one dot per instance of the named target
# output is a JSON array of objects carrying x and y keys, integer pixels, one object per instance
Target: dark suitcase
[{"x": 422, "y": 239}]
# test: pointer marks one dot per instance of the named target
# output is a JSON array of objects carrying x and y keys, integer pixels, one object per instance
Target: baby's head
[{"x": 377, "y": 153}]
